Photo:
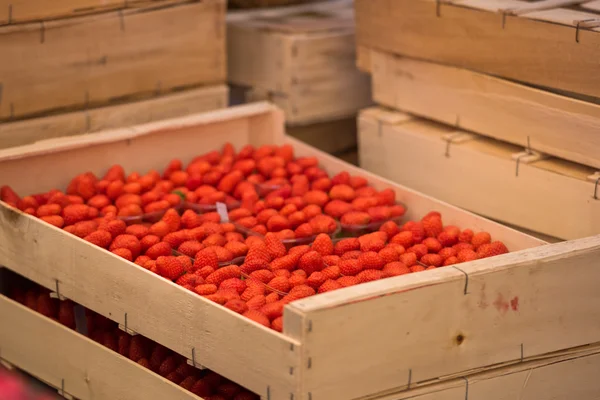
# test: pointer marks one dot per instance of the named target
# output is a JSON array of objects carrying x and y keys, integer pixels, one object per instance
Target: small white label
[{"x": 222, "y": 210}]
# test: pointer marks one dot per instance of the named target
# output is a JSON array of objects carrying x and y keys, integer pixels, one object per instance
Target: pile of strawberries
[
  {"x": 170, "y": 365},
  {"x": 256, "y": 258}
]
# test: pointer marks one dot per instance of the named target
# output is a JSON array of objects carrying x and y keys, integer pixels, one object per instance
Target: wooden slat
[
  {"x": 90, "y": 60},
  {"x": 546, "y": 122},
  {"x": 111, "y": 286},
  {"x": 422, "y": 326},
  {"x": 563, "y": 377},
  {"x": 113, "y": 116},
  {"x": 480, "y": 175},
  {"x": 527, "y": 50},
  {"x": 53, "y": 353},
  {"x": 18, "y": 11}
]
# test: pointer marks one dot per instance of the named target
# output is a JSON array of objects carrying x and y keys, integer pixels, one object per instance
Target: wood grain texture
[
  {"x": 527, "y": 49},
  {"x": 480, "y": 175},
  {"x": 89, "y": 370},
  {"x": 18, "y": 11},
  {"x": 548, "y": 123},
  {"x": 88, "y": 61},
  {"x": 513, "y": 307},
  {"x": 302, "y": 60},
  {"x": 113, "y": 116}
]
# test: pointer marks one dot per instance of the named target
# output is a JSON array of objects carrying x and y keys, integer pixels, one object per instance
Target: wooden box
[
  {"x": 300, "y": 58},
  {"x": 114, "y": 116},
  {"x": 367, "y": 340},
  {"x": 89, "y": 60},
  {"x": 77, "y": 366},
  {"x": 540, "y": 120},
  {"x": 492, "y": 178},
  {"x": 552, "y": 44}
]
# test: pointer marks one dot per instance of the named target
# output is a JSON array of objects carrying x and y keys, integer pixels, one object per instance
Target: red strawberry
[
  {"x": 206, "y": 258},
  {"x": 316, "y": 197},
  {"x": 296, "y": 280},
  {"x": 386, "y": 197},
  {"x": 221, "y": 274},
  {"x": 481, "y": 238},
  {"x": 311, "y": 262},
  {"x": 169, "y": 267},
  {"x": 332, "y": 272},
  {"x": 304, "y": 230},
  {"x": 350, "y": 267},
  {"x": 137, "y": 348},
  {"x": 433, "y": 245},
  {"x": 417, "y": 268},
  {"x": 167, "y": 366},
  {"x": 396, "y": 268},
  {"x": 257, "y": 317},
  {"x": 369, "y": 275},
  {"x": 256, "y": 302},
  {"x": 66, "y": 314},
  {"x": 389, "y": 254},
  {"x": 272, "y": 298},
  {"x": 206, "y": 289},
  {"x": 371, "y": 261},
  {"x": 466, "y": 255},
  {"x": 272, "y": 310},
  {"x": 160, "y": 249},
  {"x": 189, "y": 279},
  {"x": 447, "y": 252},
  {"x": 253, "y": 291},
  {"x": 356, "y": 218},
  {"x": 237, "y": 305},
  {"x": 346, "y": 281},
  {"x": 274, "y": 246},
  {"x": 258, "y": 257},
  {"x": 323, "y": 245},
  {"x": 346, "y": 245},
  {"x": 329, "y": 285},
  {"x": 491, "y": 249},
  {"x": 201, "y": 388},
  {"x": 323, "y": 224},
  {"x": 371, "y": 242},
  {"x": 351, "y": 255},
  {"x": 277, "y": 325},
  {"x": 432, "y": 225},
  {"x": 343, "y": 178},
  {"x": 417, "y": 230},
  {"x": 463, "y": 246},
  {"x": 233, "y": 283},
  {"x": 331, "y": 260},
  {"x": 466, "y": 236},
  {"x": 357, "y": 182},
  {"x": 298, "y": 292},
  {"x": 432, "y": 259},
  {"x": 190, "y": 248},
  {"x": 408, "y": 259},
  {"x": 419, "y": 249},
  {"x": 342, "y": 192},
  {"x": 127, "y": 242},
  {"x": 123, "y": 253},
  {"x": 99, "y": 238},
  {"x": 279, "y": 284},
  {"x": 188, "y": 383},
  {"x": 263, "y": 275}
]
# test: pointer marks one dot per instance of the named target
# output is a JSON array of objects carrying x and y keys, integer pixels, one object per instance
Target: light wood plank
[
  {"x": 563, "y": 377},
  {"x": 18, "y": 11},
  {"x": 53, "y": 353},
  {"x": 516, "y": 306},
  {"x": 90, "y": 60},
  {"x": 550, "y": 196},
  {"x": 113, "y": 116},
  {"x": 527, "y": 50},
  {"x": 548, "y": 123}
]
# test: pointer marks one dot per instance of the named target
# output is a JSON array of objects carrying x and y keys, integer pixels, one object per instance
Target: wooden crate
[
  {"x": 546, "y": 122},
  {"x": 365, "y": 340},
  {"x": 535, "y": 42},
  {"x": 87, "y": 61},
  {"x": 301, "y": 58},
  {"x": 113, "y": 116},
  {"x": 74, "y": 364},
  {"x": 546, "y": 195}
]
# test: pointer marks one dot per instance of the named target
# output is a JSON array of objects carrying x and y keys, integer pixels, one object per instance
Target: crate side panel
[
  {"x": 527, "y": 50},
  {"x": 90, "y": 371},
  {"x": 86, "y": 61},
  {"x": 524, "y": 199},
  {"x": 113, "y": 116},
  {"x": 546, "y": 122}
]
